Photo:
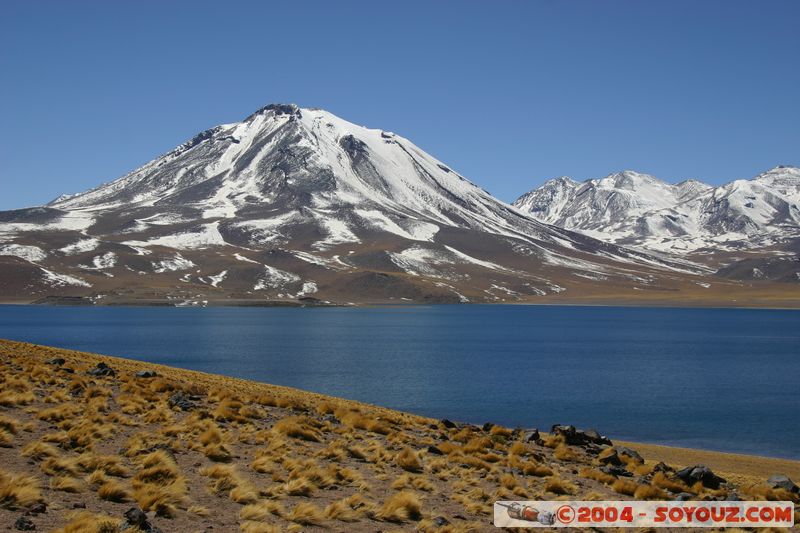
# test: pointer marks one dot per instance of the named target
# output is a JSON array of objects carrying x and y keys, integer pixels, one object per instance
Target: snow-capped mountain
[
  {"x": 639, "y": 210},
  {"x": 293, "y": 204}
]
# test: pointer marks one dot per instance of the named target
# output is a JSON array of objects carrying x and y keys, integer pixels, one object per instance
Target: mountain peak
[
  {"x": 278, "y": 109},
  {"x": 638, "y": 209}
]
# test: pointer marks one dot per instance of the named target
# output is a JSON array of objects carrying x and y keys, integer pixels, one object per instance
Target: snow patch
[
  {"x": 240, "y": 257},
  {"x": 416, "y": 230},
  {"x": 309, "y": 287},
  {"x": 81, "y": 246},
  {"x": 171, "y": 265},
  {"x": 217, "y": 279},
  {"x": 338, "y": 233},
  {"x": 275, "y": 278},
  {"x": 107, "y": 260},
  {"x": 59, "y": 280},
  {"x": 26, "y": 252},
  {"x": 207, "y": 236}
]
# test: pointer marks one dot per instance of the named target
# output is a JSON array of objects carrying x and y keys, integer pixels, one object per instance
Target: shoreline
[
  {"x": 87, "y": 439},
  {"x": 653, "y": 451},
  {"x": 647, "y": 304}
]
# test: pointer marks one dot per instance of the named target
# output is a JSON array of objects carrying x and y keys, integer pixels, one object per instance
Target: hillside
[{"x": 86, "y": 438}]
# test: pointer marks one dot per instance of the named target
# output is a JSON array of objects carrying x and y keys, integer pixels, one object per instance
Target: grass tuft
[{"x": 400, "y": 507}]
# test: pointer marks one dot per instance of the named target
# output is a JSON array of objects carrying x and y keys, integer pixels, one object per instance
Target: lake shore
[{"x": 253, "y": 456}]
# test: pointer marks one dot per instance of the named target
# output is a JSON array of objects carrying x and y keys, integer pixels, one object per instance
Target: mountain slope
[
  {"x": 639, "y": 210},
  {"x": 295, "y": 204}
]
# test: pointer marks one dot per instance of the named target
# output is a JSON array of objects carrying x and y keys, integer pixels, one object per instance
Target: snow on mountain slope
[
  {"x": 291, "y": 202},
  {"x": 639, "y": 210},
  {"x": 309, "y": 158}
]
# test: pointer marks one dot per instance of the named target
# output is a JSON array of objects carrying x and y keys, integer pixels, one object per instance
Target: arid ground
[{"x": 84, "y": 439}]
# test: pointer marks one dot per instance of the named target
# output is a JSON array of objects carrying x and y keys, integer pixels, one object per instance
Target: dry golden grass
[
  {"x": 9, "y": 425},
  {"x": 113, "y": 491},
  {"x": 259, "y": 527},
  {"x": 159, "y": 485},
  {"x": 408, "y": 460},
  {"x": 18, "y": 490},
  {"x": 14, "y": 399},
  {"x": 307, "y": 514},
  {"x": 260, "y": 458},
  {"x": 673, "y": 485},
  {"x": 86, "y": 522},
  {"x": 556, "y": 485},
  {"x": 350, "y": 509},
  {"x": 399, "y": 507},
  {"x": 67, "y": 484},
  {"x": 58, "y": 466},
  {"x": 649, "y": 492},
  {"x": 108, "y": 464},
  {"x": 226, "y": 480},
  {"x": 623, "y": 486},
  {"x": 764, "y": 493},
  {"x": 531, "y": 468},
  {"x": 565, "y": 453},
  {"x": 297, "y": 427},
  {"x": 199, "y": 510},
  {"x": 355, "y": 419},
  {"x": 597, "y": 475},
  {"x": 262, "y": 510},
  {"x": 501, "y": 432}
]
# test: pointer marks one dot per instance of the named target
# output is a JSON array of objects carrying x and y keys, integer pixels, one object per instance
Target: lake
[{"x": 722, "y": 379}]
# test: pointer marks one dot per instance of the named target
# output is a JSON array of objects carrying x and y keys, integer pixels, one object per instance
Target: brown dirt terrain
[{"x": 202, "y": 452}]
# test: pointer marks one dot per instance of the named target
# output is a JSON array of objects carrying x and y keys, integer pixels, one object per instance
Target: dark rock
[
  {"x": 79, "y": 505},
  {"x": 355, "y": 148},
  {"x": 593, "y": 449},
  {"x": 487, "y": 426},
  {"x": 58, "y": 361},
  {"x": 611, "y": 458},
  {"x": 779, "y": 481},
  {"x": 597, "y": 438},
  {"x": 661, "y": 467},
  {"x": 579, "y": 438},
  {"x": 136, "y": 517},
  {"x": 532, "y": 435},
  {"x": 630, "y": 454},
  {"x": 433, "y": 450},
  {"x": 181, "y": 401},
  {"x": 441, "y": 521},
  {"x": 281, "y": 109},
  {"x": 448, "y": 424},
  {"x": 102, "y": 370},
  {"x": 24, "y": 523},
  {"x": 683, "y": 497},
  {"x": 67, "y": 370},
  {"x": 616, "y": 471},
  {"x": 692, "y": 474},
  {"x": 146, "y": 374},
  {"x": 38, "y": 508}
]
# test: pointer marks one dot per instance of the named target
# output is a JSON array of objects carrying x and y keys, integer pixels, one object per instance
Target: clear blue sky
[{"x": 510, "y": 93}]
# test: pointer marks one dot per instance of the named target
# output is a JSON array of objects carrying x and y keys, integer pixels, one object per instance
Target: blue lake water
[{"x": 724, "y": 379}]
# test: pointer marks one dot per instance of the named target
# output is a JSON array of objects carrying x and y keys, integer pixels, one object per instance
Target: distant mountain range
[
  {"x": 638, "y": 209},
  {"x": 296, "y": 205}
]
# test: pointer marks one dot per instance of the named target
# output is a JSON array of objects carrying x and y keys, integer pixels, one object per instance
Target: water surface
[{"x": 724, "y": 379}]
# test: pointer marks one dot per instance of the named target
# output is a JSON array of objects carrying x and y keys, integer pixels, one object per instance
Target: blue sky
[{"x": 510, "y": 93}]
